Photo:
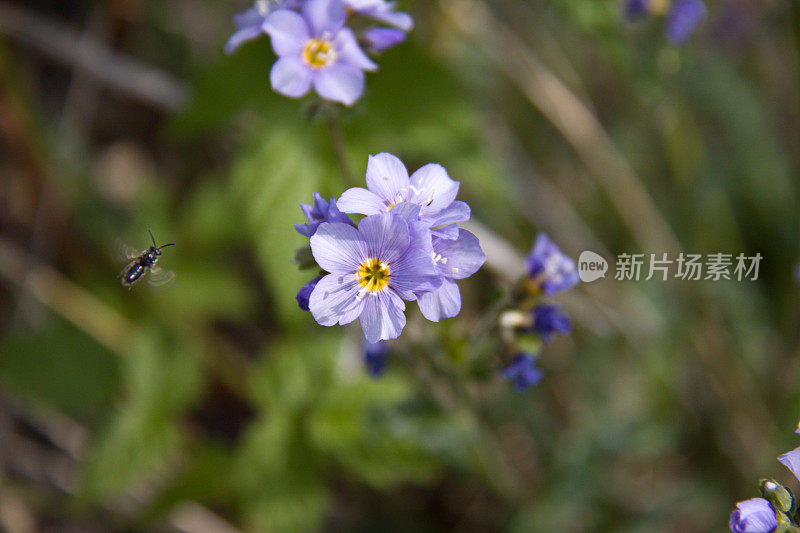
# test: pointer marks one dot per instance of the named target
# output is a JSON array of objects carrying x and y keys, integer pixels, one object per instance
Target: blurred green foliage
[{"x": 663, "y": 408}]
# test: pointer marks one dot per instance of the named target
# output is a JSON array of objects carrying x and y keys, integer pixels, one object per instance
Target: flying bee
[{"x": 145, "y": 261}]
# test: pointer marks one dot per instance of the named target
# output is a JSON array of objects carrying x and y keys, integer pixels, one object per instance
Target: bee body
[{"x": 142, "y": 263}]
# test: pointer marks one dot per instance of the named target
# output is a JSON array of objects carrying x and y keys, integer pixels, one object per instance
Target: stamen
[
  {"x": 319, "y": 53},
  {"x": 373, "y": 275}
]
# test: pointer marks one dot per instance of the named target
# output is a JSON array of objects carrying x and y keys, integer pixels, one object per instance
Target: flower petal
[
  {"x": 386, "y": 176},
  {"x": 324, "y": 16},
  {"x": 446, "y": 232},
  {"x": 335, "y": 300},
  {"x": 349, "y": 52},
  {"x": 414, "y": 273},
  {"x": 683, "y": 18},
  {"x": 248, "y": 33},
  {"x": 380, "y": 39},
  {"x": 338, "y": 248},
  {"x": 340, "y": 82},
  {"x": 444, "y": 302},
  {"x": 288, "y": 31},
  {"x": 791, "y": 460},
  {"x": 362, "y": 201},
  {"x": 463, "y": 255},
  {"x": 290, "y": 77},
  {"x": 386, "y": 236},
  {"x": 434, "y": 188},
  {"x": 382, "y": 317},
  {"x": 457, "y": 211}
]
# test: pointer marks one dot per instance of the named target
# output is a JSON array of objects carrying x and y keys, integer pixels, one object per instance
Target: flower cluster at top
[
  {"x": 532, "y": 323},
  {"x": 314, "y": 46},
  {"x": 776, "y": 510},
  {"x": 681, "y": 17},
  {"x": 407, "y": 247}
]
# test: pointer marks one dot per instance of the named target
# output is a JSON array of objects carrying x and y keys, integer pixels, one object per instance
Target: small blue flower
[
  {"x": 522, "y": 372},
  {"x": 549, "y": 268},
  {"x": 304, "y": 293},
  {"x": 683, "y": 18},
  {"x": 380, "y": 39},
  {"x": 388, "y": 185},
  {"x": 315, "y": 48},
  {"x": 549, "y": 320},
  {"x": 753, "y": 516},
  {"x": 791, "y": 460},
  {"x": 249, "y": 23},
  {"x": 372, "y": 269},
  {"x": 375, "y": 355},
  {"x": 322, "y": 211}
]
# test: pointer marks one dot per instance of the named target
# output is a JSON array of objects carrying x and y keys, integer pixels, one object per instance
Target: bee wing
[
  {"x": 125, "y": 252},
  {"x": 160, "y": 276}
]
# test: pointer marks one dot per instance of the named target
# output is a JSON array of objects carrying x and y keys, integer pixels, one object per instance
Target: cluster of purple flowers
[
  {"x": 314, "y": 46},
  {"x": 763, "y": 515},
  {"x": 407, "y": 247},
  {"x": 549, "y": 272},
  {"x": 681, "y": 17}
]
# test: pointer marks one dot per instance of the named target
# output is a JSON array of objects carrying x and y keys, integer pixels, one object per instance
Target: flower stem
[{"x": 339, "y": 148}]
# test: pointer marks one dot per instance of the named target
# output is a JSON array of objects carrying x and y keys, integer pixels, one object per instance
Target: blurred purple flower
[
  {"x": 375, "y": 355},
  {"x": 380, "y": 39},
  {"x": 549, "y": 320},
  {"x": 388, "y": 185},
  {"x": 316, "y": 49},
  {"x": 372, "y": 269},
  {"x": 382, "y": 11},
  {"x": 522, "y": 372},
  {"x": 322, "y": 211},
  {"x": 549, "y": 268},
  {"x": 305, "y": 291},
  {"x": 683, "y": 18},
  {"x": 454, "y": 259},
  {"x": 635, "y": 9},
  {"x": 249, "y": 22},
  {"x": 791, "y": 460},
  {"x": 753, "y": 516}
]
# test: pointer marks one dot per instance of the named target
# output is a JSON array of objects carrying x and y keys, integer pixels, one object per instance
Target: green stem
[{"x": 339, "y": 145}]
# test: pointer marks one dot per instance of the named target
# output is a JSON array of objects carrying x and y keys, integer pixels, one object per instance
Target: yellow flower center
[
  {"x": 373, "y": 275},
  {"x": 319, "y": 53}
]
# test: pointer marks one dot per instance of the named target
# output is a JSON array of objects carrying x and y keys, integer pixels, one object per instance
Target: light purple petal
[
  {"x": 324, "y": 16},
  {"x": 461, "y": 258},
  {"x": 798, "y": 429},
  {"x": 446, "y": 232},
  {"x": 457, "y": 211},
  {"x": 386, "y": 236},
  {"x": 414, "y": 273},
  {"x": 338, "y": 247},
  {"x": 288, "y": 31},
  {"x": 380, "y": 39},
  {"x": 340, "y": 82},
  {"x": 349, "y": 52},
  {"x": 361, "y": 201},
  {"x": 249, "y": 17},
  {"x": 791, "y": 460},
  {"x": 397, "y": 19},
  {"x": 444, "y": 302},
  {"x": 290, "y": 77},
  {"x": 434, "y": 188},
  {"x": 242, "y": 36},
  {"x": 383, "y": 11},
  {"x": 387, "y": 177},
  {"x": 335, "y": 300},
  {"x": 382, "y": 317}
]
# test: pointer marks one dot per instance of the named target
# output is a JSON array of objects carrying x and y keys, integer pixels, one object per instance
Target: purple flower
[
  {"x": 753, "y": 516},
  {"x": 635, "y": 9},
  {"x": 316, "y": 49},
  {"x": 321, "y": 211},
  {"x": 372, "y": 269},
  {"x": 549, "y": 268},
  {"x": 249, "y": 23},
  {"x": 304, "y": 293},
  {"x": 454, "y": 259},
  {"x": 522, "y": 372},
  {"x": 388, "y": 185},
  {"x": 549, "y": 320},
  {"x": 382, "y": 11},
  {"x": 375, "y": 355},
  {"x": 791, "y": 460},
  {"x": 683, "y": 18},
  {"x": 380, "y": 39}
]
